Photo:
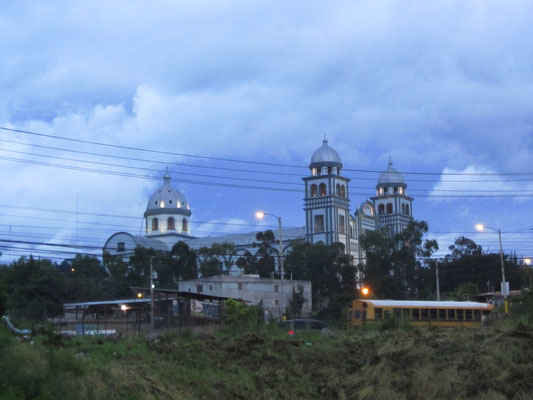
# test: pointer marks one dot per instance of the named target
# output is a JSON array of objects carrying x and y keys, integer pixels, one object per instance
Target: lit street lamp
[
  {"x": 481, "y": 228},
  {"x": 261, "y": 215}
]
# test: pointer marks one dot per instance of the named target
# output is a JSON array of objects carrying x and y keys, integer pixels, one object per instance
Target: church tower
[
  {"x": 327, "y": 203},
  {"x": 394, "y": 208}
]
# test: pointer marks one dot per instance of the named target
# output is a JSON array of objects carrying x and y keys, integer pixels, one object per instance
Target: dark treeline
[{"x": 397, "y": 267}]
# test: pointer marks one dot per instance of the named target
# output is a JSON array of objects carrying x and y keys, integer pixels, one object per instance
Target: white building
[
  {"x": 327, "y": 214},
  {"x": 275, "y": 294}
]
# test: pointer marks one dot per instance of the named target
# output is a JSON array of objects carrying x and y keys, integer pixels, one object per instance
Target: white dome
[
  {"x": 325, "y": 155},
  {"x": 391, "y": 177},
  {"x": 167, "y": 200}
]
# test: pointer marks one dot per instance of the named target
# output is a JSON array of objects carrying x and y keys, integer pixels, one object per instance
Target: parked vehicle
[{"x": 297, "y": 325}]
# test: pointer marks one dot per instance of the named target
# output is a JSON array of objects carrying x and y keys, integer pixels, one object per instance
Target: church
[{"x": 328, "y": 216}]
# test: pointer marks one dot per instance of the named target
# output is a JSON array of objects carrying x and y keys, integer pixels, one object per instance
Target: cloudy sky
[{"x": 233, "y": 97}]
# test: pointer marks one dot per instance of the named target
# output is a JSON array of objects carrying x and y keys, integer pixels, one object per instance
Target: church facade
[{"x": 328, "y": 216}]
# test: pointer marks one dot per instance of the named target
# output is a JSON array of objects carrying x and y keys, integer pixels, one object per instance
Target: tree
[
  {"x": 186, "y": 266},
  {"x": 264, "y": 260},
  {"x": 329, "y": 270},
  {"x": 210, "y": 264},
  {"x": 296, "y": 303},
  {"x": 395, "y": 266}
]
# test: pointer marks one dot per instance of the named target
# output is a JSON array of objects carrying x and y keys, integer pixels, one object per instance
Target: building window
[
  {"x": 407, "y": 209},
  {"x": 313, "y": 172},
  {"x": 389, "y": 208},
  {"x": 322, "y": 189},
  {"x": 276, "y": 288},
  {"x": 121, "y": 246},
  {"x": 170, "y": 201},
  {"x": 155, "y": 224},
  {"x": 276, "y": 302},
  {"x": 330, "y": 170},
  {"x": 403, "y": 208},
  {"x": 210, "y": 287},
  {"x": 171, "y": 225},
  {"x": 199, "y": 288},
  {"x": 381, "y": 209},
  {"x": 338, "y": 190},
  {"x": 342, "y": 228},
  {"x": 318, "y": 170},
  {"x": 400, "y": 189},
  {"x": 185, "y": 228},
  {"x": 319, "y": 223},
  {"x": 343, "y": 191},
  {"x": 313, "y": 190},
  {"x": 240, "y": 286},
  {"x": 395, "y": 189}
]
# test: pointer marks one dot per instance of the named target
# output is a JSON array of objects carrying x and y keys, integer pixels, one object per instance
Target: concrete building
[{"x": 275, "y": 294}]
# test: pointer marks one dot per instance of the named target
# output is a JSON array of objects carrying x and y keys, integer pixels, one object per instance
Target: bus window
[
  {"x": 460, "y": 315},
  {"x": 433, "y": 314},
  {"x": 406, "y": 313},
  {"x": 424, "y": 314},
  {"x": 387, "y": 313},
  {"x": 378, "y": 313},
  {"x": 477, "y": 315},
  {"x": 468, "y": 315},
  {"x": 397, "y": 313},
  {"x": 442, "y": 314},
  {"x": 416, "y": 314}
]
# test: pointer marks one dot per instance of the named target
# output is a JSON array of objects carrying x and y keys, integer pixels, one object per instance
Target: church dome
[
  {"x": 325, "y": 155},
  {"x": 167, "y": 200},
  {"x": 391, "y": 177}
]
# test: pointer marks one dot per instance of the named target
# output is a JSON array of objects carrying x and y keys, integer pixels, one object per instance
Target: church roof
[
  {"x": 325, "y": 155},
  {"x": 167, "y": 200},
  {"x": 391, "y": 176}
]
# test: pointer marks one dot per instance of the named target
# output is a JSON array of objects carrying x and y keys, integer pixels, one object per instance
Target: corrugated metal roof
[{"x": 428, "y": 304}]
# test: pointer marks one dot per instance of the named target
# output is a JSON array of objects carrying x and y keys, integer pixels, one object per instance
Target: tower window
[
  {"x": 330, "y": 170},
  {"x": 381, "y": 209},
  {"x": 407, "y": 209},
  {"x": 155, "y": 224},
  {"x": 400, "y": 189},
  {"x": 395, "y": 190},
  {"x": 381, "y": 191},
  {"x": 170, "y": 202},
  {"x": 171, "y": 224},
  {"x": 343, "y": 191},
  {"x": 185, "y": 227},
  {"x": 313, "y": 190},
  {"x": 403, "y": 208},
  {"x": 313, "y": 172},
  {"x": 389, "y": 208},
  {"x": 319, "y": 223},
  {"x": 322, "y": 189},
  {"x": 342, "y": 229},
  {"x": 318, "y": 170},
  {"x": 338, "y": 189}
]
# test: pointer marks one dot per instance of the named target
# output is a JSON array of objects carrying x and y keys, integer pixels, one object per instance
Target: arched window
[
  {"x": 155, "y": 224},
  {"x": 381, "y": 209},
  {"x": 185, "y": 227},
  {"x": 313, "y": 190},
  {"x": 407, "y": 209},
  {"x": 403, "y": 208},
  {"x": 343, "y": 191},
  {"x": 338, "y": 189},
  {"x": 322, "y": 189},
  {"x": 171, "y": 224},
  {"x": 330, "y": 170},
  {"x": 389, "y": 208}
]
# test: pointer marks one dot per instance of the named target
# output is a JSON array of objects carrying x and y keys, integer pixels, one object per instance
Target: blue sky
[{"x": 442, "y": 87}]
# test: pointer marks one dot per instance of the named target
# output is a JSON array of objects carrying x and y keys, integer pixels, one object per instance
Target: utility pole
[
  {"x": 437, "y": 279},
  {"x": 152, "y": 304},
  {"x": 281, "y": 271},
  {"x": 504, "y": 286}
]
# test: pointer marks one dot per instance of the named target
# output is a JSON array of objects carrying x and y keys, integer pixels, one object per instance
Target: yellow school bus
[{"x": 419, "y": 313}]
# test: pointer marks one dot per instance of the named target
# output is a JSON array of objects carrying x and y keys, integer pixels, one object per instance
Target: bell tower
[
  {"x": 326, "y": 202},
  {"x": 393, "y": 206}
]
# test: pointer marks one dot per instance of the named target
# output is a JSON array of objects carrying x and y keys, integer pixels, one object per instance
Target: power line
[{"x": 69, "y": 139}]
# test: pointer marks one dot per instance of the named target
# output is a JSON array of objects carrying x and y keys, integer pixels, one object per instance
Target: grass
[{"x": 381, "y": 363}]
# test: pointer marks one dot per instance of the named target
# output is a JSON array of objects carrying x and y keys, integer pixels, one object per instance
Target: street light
[
  {"x": 481, "y": 228},
  {"x": 261, "y": 215}
]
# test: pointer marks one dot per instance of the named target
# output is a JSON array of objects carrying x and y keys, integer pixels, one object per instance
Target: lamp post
[
  {"x": 261, "y": 215},
  {"x": 481, "y": 228}
]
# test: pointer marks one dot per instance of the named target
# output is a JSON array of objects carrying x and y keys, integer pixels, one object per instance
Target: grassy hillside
[{"x": 491, "y": 363}]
